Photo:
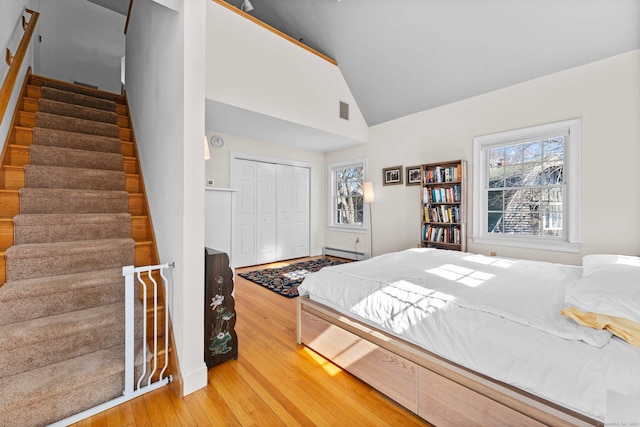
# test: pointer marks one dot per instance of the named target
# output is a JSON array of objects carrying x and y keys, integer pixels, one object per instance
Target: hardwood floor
[{"x": 274, "y": 382}]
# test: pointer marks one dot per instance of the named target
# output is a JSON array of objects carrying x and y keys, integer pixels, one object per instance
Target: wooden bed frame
[{"x": 435, "y": 389}]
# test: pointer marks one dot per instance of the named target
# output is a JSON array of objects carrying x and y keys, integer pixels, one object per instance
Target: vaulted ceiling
[{"x": 403, "y": 56}]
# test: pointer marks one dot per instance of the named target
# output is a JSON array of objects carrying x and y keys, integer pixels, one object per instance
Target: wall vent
[{"x": 344, "y": 110}]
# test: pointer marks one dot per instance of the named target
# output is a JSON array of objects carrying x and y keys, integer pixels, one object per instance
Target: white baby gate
[{"x": 143, "y": 384}]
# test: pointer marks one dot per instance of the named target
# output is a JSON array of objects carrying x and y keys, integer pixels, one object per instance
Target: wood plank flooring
[{"x": 274, "y": 382}]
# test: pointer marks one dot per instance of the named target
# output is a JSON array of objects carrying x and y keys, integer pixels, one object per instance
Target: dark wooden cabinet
[{"x": 220, "y": 339}]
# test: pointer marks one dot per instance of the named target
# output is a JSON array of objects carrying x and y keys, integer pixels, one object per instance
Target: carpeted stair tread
[
  {"x": 78, "y": 111},
  {"x": 27, "y": 299},
  {"x": 80, "y": 90},
  {"x": 49, "y": 228},
  {"x": 54, "y": 121},
  {"x": 64, "y": 336},
  {"x": 81, "y": 141},
  {"x": 55, "y": 177},
  {"x": 52, "y": 259},
  {"x": 77, "y": 99},
  {"x": 73, "y": 158},
  {"x": 51, "y": 393},
  {"x": 43, "y": 200},
  {"x": 62, "y": 306}
]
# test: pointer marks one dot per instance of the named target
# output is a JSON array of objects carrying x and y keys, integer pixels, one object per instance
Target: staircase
[{"x": 72, "y": 214}]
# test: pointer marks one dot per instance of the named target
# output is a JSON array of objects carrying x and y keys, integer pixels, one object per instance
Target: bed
[{"x": 464, "y": 339}]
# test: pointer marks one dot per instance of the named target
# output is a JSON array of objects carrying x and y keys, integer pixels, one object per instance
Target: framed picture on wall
[
  {"x": 413, "y": 175},
  {"x": 392, "y": 175}
]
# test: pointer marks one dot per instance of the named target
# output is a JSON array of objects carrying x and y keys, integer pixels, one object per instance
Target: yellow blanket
[{"x": 623, "y": 328}]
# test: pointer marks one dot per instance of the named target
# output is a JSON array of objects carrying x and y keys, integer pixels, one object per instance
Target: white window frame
[
  {"x": 571, "y": 242},
  {"x": 332, "y": 196}
]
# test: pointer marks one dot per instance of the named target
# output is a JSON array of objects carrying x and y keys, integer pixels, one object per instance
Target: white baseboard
[{"x": 195, "y": 380}]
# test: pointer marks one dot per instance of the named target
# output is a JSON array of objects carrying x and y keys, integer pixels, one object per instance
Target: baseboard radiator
[{"x": 345, "y": 253}]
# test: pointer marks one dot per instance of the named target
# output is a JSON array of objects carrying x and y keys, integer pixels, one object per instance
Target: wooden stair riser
[
  {"x": 137, "y": 206},
  {"x": 18, "y": 155},
  {"x": 12, "y": 177},
  {"x": 26, "y": 119},
  {"x": 22, "y": 135},
  {"x": 6, "y": 233},
  {"x": 9, "y": 203},
  {"x": 130, "y": 165},
  {"x": 140, "y": 228},
  {"x": 3, "y": 269},
  {"x": 144, "y": 254},
  {"x": 125, "y": 135},
  {"x": 126, "y": 148}
]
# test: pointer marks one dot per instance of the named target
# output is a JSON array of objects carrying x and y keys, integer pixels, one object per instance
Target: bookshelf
[{"x": 444, "y": 205}]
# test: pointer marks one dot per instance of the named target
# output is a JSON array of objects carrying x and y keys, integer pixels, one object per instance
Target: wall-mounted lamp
[
  {"x": 246, "y": 6},
  {"x": 369, "y": 197}
]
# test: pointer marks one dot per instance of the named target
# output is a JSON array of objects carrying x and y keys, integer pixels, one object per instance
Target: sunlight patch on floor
[{"x": 329, "y": 367}]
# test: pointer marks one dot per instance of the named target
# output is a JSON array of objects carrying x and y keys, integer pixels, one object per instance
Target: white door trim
[{"x": 233, "y": 155}]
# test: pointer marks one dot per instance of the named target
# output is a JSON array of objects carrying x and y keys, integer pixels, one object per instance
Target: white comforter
[{"x": 496, "y": 316}]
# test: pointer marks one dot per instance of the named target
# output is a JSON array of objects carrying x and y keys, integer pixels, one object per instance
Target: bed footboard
[{"x": 435, "y": 389}]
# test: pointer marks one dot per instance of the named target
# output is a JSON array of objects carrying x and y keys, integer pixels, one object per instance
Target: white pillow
[
  {"x": 610, "y": 285},
  {"x": 594, "y": 263}
]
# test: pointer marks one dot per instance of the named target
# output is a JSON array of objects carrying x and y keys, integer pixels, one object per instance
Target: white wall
[
  {"x": 81, "y": 41},
  {"x": 165, "y": 88},
  {"x": 217, "y": 169},
  {"x": 605, "y": 94},
  {"x": 10, "y": 34},
  {"x": 254, "y": 69}
]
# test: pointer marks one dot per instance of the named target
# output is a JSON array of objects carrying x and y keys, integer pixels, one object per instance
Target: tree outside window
[
  {"x": 526, "y": 187},
  {"x": 347, "y": 195}
]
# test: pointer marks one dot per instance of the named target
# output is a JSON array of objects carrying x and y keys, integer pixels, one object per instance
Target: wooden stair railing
[{"x": 15, "y": 61}]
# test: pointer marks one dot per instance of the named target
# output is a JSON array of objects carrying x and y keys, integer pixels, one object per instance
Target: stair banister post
[{"x": 129, "y": 344}]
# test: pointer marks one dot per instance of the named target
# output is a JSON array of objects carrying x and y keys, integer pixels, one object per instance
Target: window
[
  {"x": 346, "y": 207},
  {"x": 527, "y": 187}
]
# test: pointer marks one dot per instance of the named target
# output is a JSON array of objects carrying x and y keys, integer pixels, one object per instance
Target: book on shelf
[
  {"x": 442, "y": 213},
  {"x": 443, "y": 174},
  {"x": 442, "y": 194},
  {"x": 435, "y": 234}
]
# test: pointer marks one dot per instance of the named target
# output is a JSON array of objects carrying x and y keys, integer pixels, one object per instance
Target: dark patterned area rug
[{"x": 285, "y": 280}]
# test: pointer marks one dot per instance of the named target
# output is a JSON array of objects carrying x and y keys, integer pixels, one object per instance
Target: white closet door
[
  {"x": 244, "y": 239},
  {"x": 272, "y": 212},
  {"x": 286, "y": 212},
  {"x": 301, "y": 213},
  {"x": 266, "y": 213}
]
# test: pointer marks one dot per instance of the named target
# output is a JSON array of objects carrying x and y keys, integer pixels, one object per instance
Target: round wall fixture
[{"x": 217, "y": 141}]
